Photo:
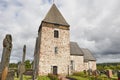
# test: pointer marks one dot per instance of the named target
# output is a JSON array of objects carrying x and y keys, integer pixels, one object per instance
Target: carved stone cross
[
  {"x": 7, "y": 47},
  {"x": 22, "y": 65}
]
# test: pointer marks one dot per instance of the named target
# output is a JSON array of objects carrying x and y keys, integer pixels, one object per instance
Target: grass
[
  {"x": 78, "y": 78},
  {"x": 24, "y": 78},
  {"x": 82, "y": 76},
  {"x": 43, "y": 78},
  {"x": 30, "y": 78}
]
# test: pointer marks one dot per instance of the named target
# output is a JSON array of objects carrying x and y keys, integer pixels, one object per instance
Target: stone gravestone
[
  {"x": 10, "y": 75},
  {"x": 36, "y": 60},
  {"x": 109, "y": 73},
  {"x": 21, "y": 66},
  {"x": 7, "y": 47}
]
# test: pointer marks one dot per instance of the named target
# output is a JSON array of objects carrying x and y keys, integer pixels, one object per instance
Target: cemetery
[
  {"x": 55, "y": 57},
  {"x": 23, "y": 70}
]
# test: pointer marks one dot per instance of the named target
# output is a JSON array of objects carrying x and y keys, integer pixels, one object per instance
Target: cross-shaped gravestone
[
  {"x": 7, "y": 47},
  {"x": 22, "y": 65}
]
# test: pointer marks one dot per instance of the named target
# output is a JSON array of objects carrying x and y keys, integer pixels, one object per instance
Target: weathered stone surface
[
  {"x": 48, "y": 57},
  {"x": 78, "y": 63},
  {"x": 21, "y": 66},
  {"x": 109, "y": 73},
  {"x": 46, "y": 60},
  {"x": 7, "y": 47},
  {"x": 10, "y": 75},
  {"x": 90, "y": 65}
]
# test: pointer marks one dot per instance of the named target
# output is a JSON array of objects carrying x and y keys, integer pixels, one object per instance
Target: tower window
[
  {"x": 56, "y": 50},
  {"x": 56, "y": 34}
]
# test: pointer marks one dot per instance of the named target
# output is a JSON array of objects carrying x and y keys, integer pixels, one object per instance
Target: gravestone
[
  {"x": 36, "y": 60},
  {"x": 21, "y": 66},
  {"x": 10, "y": 75},
  {"x": 109, "y": 73},
  {"x": 118, "y": 75},
  {"x": 7, "y": 47}
]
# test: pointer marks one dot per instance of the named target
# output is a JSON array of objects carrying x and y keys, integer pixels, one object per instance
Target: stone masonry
[
  {"x": 57, "y": 55},
  {"x": 48, "y": 57},
  {"x": 78, "y": 63}
]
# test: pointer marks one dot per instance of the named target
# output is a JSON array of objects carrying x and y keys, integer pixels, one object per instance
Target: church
[{"x": 54, "y": 52}]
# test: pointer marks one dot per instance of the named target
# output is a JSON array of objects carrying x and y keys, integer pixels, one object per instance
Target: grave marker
[
  {"x": 22, "y": 65},
  {"x": 7, "y": 47}
]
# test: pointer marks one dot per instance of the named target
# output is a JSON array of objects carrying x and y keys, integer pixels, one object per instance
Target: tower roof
[{"x": 54, "y": 16}]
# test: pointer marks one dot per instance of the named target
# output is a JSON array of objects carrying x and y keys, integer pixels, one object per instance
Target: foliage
[
  {"x": 13, "y": 65},
  {"x": 27, "y": 64},
  {"x": 105, "y": 66},
  {"x": 53, "y": 77}
]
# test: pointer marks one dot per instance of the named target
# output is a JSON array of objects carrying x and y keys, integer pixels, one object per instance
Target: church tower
[{"x": 52, "y": 52}]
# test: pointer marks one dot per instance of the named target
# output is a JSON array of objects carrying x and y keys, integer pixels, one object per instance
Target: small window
[
  {"x": 56, "y": 50},
  {"x": 56, "y": 34},
  {"x": 72, "y": 65}
]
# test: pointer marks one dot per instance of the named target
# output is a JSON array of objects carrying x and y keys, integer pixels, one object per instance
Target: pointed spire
[{"x": 54, "y": 16}]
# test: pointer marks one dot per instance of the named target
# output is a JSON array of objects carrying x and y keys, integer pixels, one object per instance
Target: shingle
[
  {"x": 88, "y": 56},
  {"x": 54, "y": 16},
  {"x": 75, "y": 49}
]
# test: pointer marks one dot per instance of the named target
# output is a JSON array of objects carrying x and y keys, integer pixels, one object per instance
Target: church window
[
  {"x": 72, "y": 65},
  {"x": 56, "y": 34},
  {"x": 56, "y": 50}
]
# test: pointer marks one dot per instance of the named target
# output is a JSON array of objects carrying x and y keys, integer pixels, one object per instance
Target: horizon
[{"x": 93, "y": 25}]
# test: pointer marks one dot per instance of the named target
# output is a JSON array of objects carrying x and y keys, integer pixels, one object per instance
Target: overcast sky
[{"x": 94, "y": 24}]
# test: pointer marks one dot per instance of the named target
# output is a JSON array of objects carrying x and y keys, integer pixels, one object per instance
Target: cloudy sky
[{"x": 94, "y": 24}]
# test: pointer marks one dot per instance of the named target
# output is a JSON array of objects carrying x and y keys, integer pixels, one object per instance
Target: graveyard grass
[
  {"x": 84, "y": 77},
  {"x": 102, "y": 77},
  {"x": 30, "y": 78}
]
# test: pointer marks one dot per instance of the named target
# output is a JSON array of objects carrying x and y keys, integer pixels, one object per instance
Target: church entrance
[{"x": 55, "y": 70}]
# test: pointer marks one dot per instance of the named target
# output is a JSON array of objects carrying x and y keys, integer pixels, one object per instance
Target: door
[{"x": 55, "y": 70}]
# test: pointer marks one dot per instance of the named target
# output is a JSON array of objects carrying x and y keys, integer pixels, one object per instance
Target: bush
[{"x": 53, "y": 77}]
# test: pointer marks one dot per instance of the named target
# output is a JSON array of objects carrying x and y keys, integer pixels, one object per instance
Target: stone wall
[
  {"x": 78, "y": 63},
  {"x": 90, "y": 65},
  {"x": 93, "y": 65},
  {"x": 86, "y": 66},
  {"x": 48, "y": 57}
]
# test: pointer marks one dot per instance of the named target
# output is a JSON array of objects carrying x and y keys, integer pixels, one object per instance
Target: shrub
[{"x": 53, "y": 77}]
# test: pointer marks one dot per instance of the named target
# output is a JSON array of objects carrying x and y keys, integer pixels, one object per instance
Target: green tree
[
  {"x": 112, "y": 67},
  {"x": 106, "y": 67},
  {"x": 12, "y": 65},
  {"x": 100, "y": 67},
  {"x": 27, "y": 64},
  {"x": 118, "y": 67}
]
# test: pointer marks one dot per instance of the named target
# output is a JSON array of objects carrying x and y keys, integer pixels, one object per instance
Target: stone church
[{"x": 54, "y": 53}]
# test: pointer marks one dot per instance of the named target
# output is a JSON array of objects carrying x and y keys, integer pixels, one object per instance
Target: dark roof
[
  {"x": 88, "y": 56},
  {"x": 75, "y": 49},
  {"x": 54, "y": 16}
]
